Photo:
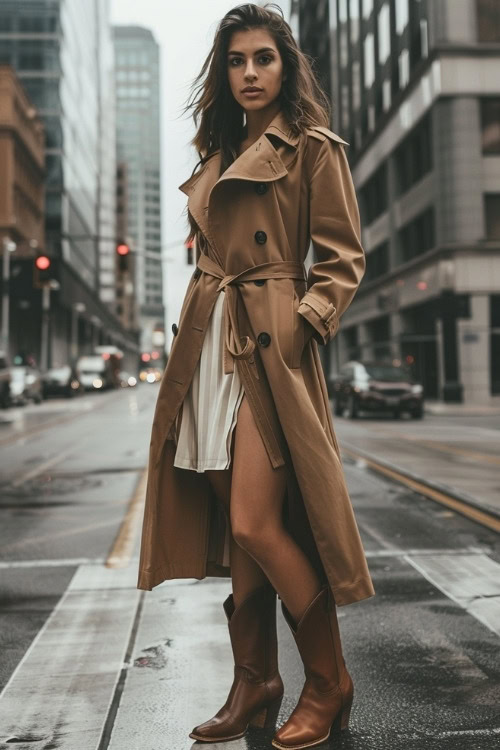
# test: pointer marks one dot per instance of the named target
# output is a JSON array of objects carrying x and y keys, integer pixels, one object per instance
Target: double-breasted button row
[
  {"x": 174, "y": 329},
  {"x": 264, "y": 338},
  {"x": 261, "y": 188},
  {"x": 260, "y": 237},
  {"x": 259, "y": 282}
]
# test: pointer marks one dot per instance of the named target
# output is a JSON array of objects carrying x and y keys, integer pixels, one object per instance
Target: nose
[{"x": 250, "y": 72}]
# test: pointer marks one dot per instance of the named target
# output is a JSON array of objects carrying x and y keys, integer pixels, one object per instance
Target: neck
[{"x": 257, "y": 121}]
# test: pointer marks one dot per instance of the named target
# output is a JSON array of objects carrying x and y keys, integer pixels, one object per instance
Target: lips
[{"x": 250, "y": 89}]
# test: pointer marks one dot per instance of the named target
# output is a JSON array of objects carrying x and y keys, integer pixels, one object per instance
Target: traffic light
[
  {"x": 123, "y": 252},
  {"x": 189, "y": 248},
  {"x": 42, "y": 270}
]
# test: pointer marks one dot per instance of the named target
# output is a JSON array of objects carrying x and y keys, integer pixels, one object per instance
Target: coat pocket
[{"x": 299, "y": 332}]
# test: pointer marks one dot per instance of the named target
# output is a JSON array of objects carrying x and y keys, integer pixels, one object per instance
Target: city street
[{"x": 89, "y": 662}]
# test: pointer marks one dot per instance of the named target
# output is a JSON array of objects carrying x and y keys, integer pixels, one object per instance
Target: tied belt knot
[{"x": 281, "y": 269}]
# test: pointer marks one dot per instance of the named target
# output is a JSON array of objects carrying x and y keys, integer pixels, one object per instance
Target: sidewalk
[{"x": 439, "y": 408}]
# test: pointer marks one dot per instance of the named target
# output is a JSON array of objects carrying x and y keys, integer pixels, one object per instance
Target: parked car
[
  {"x": 5, "y": 379},
  {"x": 61, "y": 381},
  {"x": 95, "y": 373},
  {"x": 25, "y": 385},
  {"x": 373, "y": 386}
]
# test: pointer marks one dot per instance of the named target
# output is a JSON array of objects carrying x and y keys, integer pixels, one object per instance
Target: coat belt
[{"x": 281, "y": 269}]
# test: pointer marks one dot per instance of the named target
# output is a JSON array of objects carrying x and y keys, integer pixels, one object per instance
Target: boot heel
[
  {"x": 267, "y": 717},
  {"x": 342, "y": 719}
]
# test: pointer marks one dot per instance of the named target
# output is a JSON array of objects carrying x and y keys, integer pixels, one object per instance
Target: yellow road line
[
  {"x": 480, "y": 516},
  {"x": 123, "y": 546}
]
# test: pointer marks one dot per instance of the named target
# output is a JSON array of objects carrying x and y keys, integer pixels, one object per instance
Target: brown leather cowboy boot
[
  {"x": 326, "y": 698},
  {"x": 257, "y": 690}
]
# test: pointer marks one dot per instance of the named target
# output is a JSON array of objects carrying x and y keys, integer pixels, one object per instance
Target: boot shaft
[{"x": 253, "y": 634}]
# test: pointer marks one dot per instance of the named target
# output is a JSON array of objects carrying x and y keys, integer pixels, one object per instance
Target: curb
[{"x": 461, "y": 497}]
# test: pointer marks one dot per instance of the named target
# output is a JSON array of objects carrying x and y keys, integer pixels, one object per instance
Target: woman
[{"x": 258, "y": 493}]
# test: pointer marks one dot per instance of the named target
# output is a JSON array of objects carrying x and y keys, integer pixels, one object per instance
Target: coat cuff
[{"x": 322, "y": 317}]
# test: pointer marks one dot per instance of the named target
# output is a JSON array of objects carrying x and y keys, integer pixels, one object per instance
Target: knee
[{"x": 253, "y": 538}]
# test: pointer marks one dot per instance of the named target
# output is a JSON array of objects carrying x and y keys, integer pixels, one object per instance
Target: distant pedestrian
[{"x": 245, "y": 478}]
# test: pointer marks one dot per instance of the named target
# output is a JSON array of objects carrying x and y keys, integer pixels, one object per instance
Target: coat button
[
  {"x": 196, "y": 273},
  {"x": 259, "y": 282},
  {"x": 261, "y": 188},
  {"x": 174, "y": 329},
  {"x": 264, "y": 338},
  {"x": 260, "y": 237}
]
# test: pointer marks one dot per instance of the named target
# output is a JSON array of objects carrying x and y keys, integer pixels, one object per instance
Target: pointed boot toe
[
  {"x": 324, "y": 704},
  {"x": 257, "y": 690}
]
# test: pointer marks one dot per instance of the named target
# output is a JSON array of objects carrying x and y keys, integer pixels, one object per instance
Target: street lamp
[
  {"x": 9, "y": 246},
  {"x": 78, "y": 307}
]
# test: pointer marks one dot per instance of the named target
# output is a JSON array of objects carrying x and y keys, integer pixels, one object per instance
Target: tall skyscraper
[
  {"x": 416, "y": 92},
  {"x": 137, "y": 57},
  {"x": 62, "y": 52}
]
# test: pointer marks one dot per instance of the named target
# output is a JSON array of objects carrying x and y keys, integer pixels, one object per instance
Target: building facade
[
  {"x": 21, "y": 213},
  {"x": 137, "y": 58},
  {"x": 416, "y": 92},
  {"x": 62, "y": 52}
]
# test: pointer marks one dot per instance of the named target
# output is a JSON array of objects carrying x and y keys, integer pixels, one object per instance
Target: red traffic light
[
  {"x": 42, "y": 262},
  {"x": 122, "y": 249}
]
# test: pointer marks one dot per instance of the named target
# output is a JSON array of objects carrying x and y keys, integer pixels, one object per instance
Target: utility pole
[{"x": 9, "y": 246}]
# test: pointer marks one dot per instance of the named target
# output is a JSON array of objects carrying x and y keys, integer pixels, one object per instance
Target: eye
[
  {"x": 265, "y": 59},
  {"x": 234, "y": 61}
]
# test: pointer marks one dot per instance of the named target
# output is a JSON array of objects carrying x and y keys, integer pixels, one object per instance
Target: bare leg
[
  {"x": 246, "y": 573},
  {"x": 257, "y": 493}
]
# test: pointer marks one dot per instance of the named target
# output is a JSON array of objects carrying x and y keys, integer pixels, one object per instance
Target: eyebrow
[{"x": 257, "y": 52}]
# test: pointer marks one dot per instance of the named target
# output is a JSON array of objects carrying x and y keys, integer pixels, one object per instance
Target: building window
[
  {"x": 384, "y": 34},
  {"x": 369, "y": 54},
  {"x": 354, "y": 20},
  {"x": 356, "y": 85},
  {"x": 386, "y": 95},
  {"x": 492, "y": 215},
  {"x": 374, "y": 195},
  {"x": 367, "y": 8},
  {"x": 417, "y": 236},
  {"x": 344, "y": 48},
  {"x": 424, "y": 37},
  {"x": 413, "y": 157},
  {"x": 404, "y": 68},
  {"x": 377, "y": 262},
  {"x": 345, "y": 106},
  {"x": 488, "y": 20},
  {"x": 402, "y": 15},
  {"x": 490, "y": 125}
]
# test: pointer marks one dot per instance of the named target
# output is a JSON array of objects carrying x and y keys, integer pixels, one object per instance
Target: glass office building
[
  {"x": 137, "y": 58},
  {"x": 415, "y": 91},
  {"x": 62, "y": 52}
]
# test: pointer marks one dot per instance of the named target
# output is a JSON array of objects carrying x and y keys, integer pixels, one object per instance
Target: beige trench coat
[{"x": 255, "y": 225}]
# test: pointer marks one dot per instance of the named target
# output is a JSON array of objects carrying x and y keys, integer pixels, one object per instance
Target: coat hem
[{"x": 360, "y": 589}]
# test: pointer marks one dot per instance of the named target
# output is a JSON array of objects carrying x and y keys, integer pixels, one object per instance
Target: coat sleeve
[{"x": 336, "y": 237}]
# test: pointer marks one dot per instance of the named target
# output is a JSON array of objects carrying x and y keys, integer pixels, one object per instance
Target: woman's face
[{"x": 255, "y": 68}]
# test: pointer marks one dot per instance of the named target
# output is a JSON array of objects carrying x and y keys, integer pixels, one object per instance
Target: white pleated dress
[{"x": 210, "y": 407}]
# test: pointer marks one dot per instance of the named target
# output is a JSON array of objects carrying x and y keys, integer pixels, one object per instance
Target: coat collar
[{"x": 259, "y": 162}]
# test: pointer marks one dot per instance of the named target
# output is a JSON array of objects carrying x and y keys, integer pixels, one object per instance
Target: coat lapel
[{"x": 260, "y": 162}]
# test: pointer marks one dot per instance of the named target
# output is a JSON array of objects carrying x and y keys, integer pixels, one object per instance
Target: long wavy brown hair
[{"x": 219, "y": 118}]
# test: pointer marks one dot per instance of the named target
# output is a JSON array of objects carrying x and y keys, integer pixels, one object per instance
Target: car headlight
[{"x": 416, "y": 388}]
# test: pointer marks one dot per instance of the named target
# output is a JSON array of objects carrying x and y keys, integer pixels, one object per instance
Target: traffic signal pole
[{"x": 8, "y": 247}]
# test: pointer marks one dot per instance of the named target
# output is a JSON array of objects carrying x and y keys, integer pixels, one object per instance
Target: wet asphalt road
[{"x": 423, "y": 653}]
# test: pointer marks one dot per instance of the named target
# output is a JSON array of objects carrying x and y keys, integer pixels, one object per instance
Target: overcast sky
[{"x": 185, "y": 32}]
